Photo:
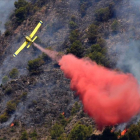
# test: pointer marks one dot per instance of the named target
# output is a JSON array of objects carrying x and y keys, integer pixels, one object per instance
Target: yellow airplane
[{"x": 28, "y": 39}]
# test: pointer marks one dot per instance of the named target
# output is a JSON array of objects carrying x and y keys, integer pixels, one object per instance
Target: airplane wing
[
  {"x": 21, "y": 48},
  {"x": 36, "y": 29}
]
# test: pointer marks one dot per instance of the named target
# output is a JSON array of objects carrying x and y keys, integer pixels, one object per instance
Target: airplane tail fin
[{"x": 32, "y": 41}]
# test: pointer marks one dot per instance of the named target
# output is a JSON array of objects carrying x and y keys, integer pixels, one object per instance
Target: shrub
[
  {"x": 74, "y": 35},
  {"x": 72, "y": 25},
  {"x": 76, "y": 49},
  {"x": 20, "y": 3},
  {"x": 73, "y": 18},
  {"x": 108, "y": 135},
  {"x": 3, "y": 117},
  {"x": 23, "y": 95},
  {"x": 62, "y": 120},
  {"x": 11, "y": 107},
  {"x": 98, "y": 54},
  {"x": 34, "y": 65},
  {"x": 75, "y": 108},
  {"x": 13, "y": 73},
  {"x": 92, "y": 33},
  {"x": 8, "y": 90},
  {"x": 24, "y": 136},
  {"x": 56, "y": 131},
  {"x": 80, "y": 132},
  {"x": 134, "y": 132},
  {"x": 102, "y": 14},
  {"x": 101, "y": 42},
  {"x": 45, "y": 57},
  {"x": 115, "y": 26},
  {"x": 83, "y": 8},
  {"x": 21, "y": 14},
  {"x": 7, "y": 33},
  {"x": 33, "y": 134},
  {"x": 5, "y": 79}
]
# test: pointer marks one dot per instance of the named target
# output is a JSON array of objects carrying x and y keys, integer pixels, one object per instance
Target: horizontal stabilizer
[{"x": 34, "y": 38}]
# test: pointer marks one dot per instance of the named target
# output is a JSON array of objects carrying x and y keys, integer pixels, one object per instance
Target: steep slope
[{"x": 38, "y": 101}]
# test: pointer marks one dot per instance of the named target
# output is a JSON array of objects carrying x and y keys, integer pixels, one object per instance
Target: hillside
[{"x": 35, "y": 95}]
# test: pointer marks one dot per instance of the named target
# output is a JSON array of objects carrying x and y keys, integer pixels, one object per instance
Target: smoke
[
  {"x": 125, "y": 44},
  {"x": 107, "y": 96},
  {"x": 52, "y": 54},
  {"x": 6, "y": 7}
]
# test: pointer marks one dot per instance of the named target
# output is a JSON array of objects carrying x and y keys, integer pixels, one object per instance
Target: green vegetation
[
  {"x": 72, "y": 25},
  {"x": 34, "y": 65},
  {"x": 21, "y": 10},
  {"x": 75, "y": 108},
  {"x": 107, "y": 135},
  {"x": 33, "y": 135},
  {"x": 74, "y": 35},
  {"x": 76, "y": 49},
  {"x": 101, "y": 42},
  {"x": 20, "y": 3},
  {"x": 56, "y": 131},
  {"x": 24, "y": 136},
  {"x": 3, "y": 117},
  {"x": 5, "y": 79},
  {"x": 63, "y": 121},
  {"x": 104, "y": 14},
  {"x": 115, "y": 26},
  {"x": 13, "y": 73},
  {"x": 25, "y": 9},
  {"x": 11, "y": 107},
  {"x": 80, "y": 132},
  {"x": 7, "y": 33},
  {"x": 98, "y": 54},
  {"x": 84, "y": 4},
  {"x": 45, "y": 57},
  {"x": 8, "y": 90},
  {"x": 133, "y": 132},
  {"x": 92, "y": 33},
  {"x": 23, "y": 95}
]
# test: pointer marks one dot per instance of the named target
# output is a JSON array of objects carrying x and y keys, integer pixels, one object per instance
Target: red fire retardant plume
[{"x": 109, "y": 97}]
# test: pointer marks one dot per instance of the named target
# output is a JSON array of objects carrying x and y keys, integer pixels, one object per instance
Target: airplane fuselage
[{"x": 28, "y": 39}]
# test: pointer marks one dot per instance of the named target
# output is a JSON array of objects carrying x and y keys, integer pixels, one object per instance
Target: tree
[
  {"x": 92, "y": 33},
  {"x": 21, "y": 14},
  {"x": 101, "y": 42},
  {"x": 74, "y": 35},
  {"x": 103, "y": 14},
  {"x": 107, "y": 135},
  {"x": 24, "y": 136},
  {"x": 20, "y": 3},
  {"x": 134, "y": 132},
  {"x": 76, "y": 49},
  {"x": 80, "y": 132},
  {"x": 14, "y": 73},
  {"x": 33, "y": 135},
  {"x": 21, "y": 11},
  {"x": 115, "y": 26},
  {"x": 98, "y": 54},
  {"x": 34, "y": 65},
  {"x": 3, "y": 117},
  {"x": 72, "y": 25},
  {"x": 11, "y": 107},
  {"x": 5, "y": 79},
  {"x": 75, "y": 108},
  {"x": 56, "y": 130},
  {"x": 8, "y": 90}
]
